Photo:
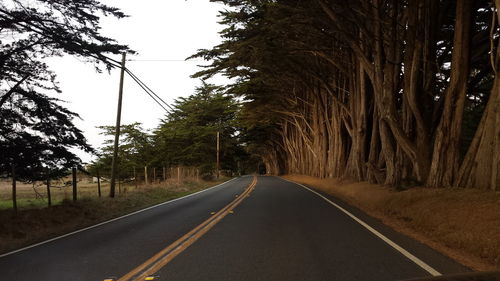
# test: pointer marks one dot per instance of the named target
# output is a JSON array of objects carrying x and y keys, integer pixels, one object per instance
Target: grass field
[{"x": 34, "y": 195}]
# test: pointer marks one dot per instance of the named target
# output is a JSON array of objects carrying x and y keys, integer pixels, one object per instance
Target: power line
[
  {"x": 165, "y": 60},
  {"x": 145, "y": 88}
]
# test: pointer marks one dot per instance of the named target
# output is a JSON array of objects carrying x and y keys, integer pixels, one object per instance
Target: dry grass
[
  {"x": 34, "y": 195},
  {"x": 34, "y": 224},
  {"x": 461, "y": 223}
]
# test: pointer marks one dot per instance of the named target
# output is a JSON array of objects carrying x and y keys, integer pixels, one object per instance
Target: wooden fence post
[
  {"x": 154, "y": 175},
  {"x": 98, "y": 183},
  {"x": 14, "y": 197},
  {"x": 74, "y": 184},
  {"x": 146, "y": 174},
  {"x": 164, "y": 174},
  {"x": 178, "y": 174},
  {"x": 49, "y": 198},
  {"x": 135, "y": 178}
]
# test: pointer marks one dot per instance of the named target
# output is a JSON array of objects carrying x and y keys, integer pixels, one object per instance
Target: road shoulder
[{"x": 403, "y": 236}]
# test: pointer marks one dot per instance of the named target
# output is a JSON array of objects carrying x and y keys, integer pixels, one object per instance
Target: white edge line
[
  {"x": 391, "y": 243},
  {"x": 111, "y": 220}
]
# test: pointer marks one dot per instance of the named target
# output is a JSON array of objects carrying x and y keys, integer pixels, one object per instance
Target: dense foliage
[
  {"x": 135, "y": 150},
  {"x": 37, "y": 133},
  {"x": 394, "y": 92},
  {"x": 186, "y": 137}
]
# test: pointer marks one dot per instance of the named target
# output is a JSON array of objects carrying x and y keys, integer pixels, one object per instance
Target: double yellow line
[{"x": 159, "y": 260}]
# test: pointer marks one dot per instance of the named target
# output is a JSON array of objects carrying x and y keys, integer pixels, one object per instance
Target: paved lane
[
  {"x": 280, "y": 232},
  {"x": 115, "y": 248},
  {"x": 284, "y": 232}
]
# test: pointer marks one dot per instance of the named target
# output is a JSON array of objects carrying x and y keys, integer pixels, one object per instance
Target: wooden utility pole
[
  {"x": 14, "y": 197},
  {"x": 114, "y": 163},
  {"x": 218, "y": 149},
  {"x": 74, "y": 183}
]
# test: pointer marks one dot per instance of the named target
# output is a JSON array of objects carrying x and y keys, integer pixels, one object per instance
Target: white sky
[{"x": 157, "y": 30}]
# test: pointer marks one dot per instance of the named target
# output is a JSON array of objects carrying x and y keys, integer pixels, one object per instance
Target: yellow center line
[{"x": 163, "y": 257}]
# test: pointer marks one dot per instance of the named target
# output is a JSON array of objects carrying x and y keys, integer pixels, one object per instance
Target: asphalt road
[{"x": 280, "y": 232}]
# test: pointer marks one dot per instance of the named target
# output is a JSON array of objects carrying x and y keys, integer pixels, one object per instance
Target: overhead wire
[
  {"x": 164, "y": 60},
  {"x": 145, "y": 88},
  {"x": 148, "y": 90},
  {"x": 102, "y": 58}
]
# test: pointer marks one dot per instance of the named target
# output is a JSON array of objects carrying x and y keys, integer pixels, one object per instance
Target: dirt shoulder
[
  {"x": 32, "y": 225},
  {"x": 460, "y": 223}
]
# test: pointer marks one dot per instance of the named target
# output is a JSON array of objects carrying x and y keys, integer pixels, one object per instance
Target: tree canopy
[
  {"x": 36, "y": 131},
  {"x": 135, "y": 150},
  {"x": 393, "y": 92},
  {"x": 187, "y": 136}
]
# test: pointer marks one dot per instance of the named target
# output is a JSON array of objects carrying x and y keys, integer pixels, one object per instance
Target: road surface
[{"x": 273, "y": 230}]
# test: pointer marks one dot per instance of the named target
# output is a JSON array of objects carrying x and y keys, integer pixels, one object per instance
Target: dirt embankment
[{"x": 463, "y": 224}]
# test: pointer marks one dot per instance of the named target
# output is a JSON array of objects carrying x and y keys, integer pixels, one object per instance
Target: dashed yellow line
[{"x": 159, "y": 260}]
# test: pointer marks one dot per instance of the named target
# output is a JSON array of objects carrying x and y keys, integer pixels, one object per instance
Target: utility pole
[
  {"x": 218, "y": 149},
  {"x": 114, "y": 163}
]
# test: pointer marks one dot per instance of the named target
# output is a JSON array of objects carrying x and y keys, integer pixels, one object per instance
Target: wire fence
[{"x": 87, "y": 185}]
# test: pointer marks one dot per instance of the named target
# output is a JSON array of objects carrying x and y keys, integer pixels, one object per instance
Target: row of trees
[
  {"x": 187, "y": 136},
  {"x": 393, "y": 92},
  {"x": 37, "y": 134}
]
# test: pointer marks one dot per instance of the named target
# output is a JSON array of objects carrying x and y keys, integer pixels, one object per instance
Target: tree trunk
[
  {"x": 481, "y": 166},
  {"x": 444, "y": 165},
  {"x": 356, "y": 168}
]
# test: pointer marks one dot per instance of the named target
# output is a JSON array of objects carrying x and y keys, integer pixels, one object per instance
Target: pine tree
[{"x": 36, "y": 131}]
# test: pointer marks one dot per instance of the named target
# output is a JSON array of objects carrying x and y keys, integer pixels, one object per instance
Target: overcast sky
[{"x": 158, "y": 30}]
